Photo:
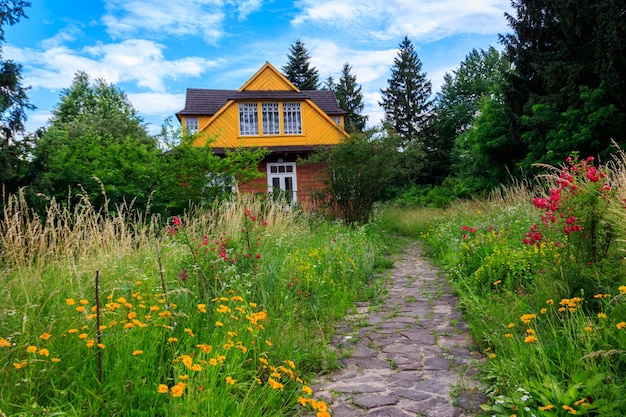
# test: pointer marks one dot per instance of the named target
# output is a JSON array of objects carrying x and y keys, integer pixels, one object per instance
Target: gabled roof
[{"x": 205, "y": 102}]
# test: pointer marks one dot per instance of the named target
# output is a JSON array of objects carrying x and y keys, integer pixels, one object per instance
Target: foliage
[
  {"x": 13, "y": 105},
  {"x": 566, "y": 93},
  {"x": 298, "y": 69},
  {"x": 406, "y": 100},
  {"x": 350, "y": 99},
  {"x": 558, "y": 348},
  {"x": 223, "y": 312},
  {"x": 360, "y": 168}
]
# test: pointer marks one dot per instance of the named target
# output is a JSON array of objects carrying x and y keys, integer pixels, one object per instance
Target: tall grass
[
  {"x": 225, "y": 310},
  {"x": 544, "y": 294}
]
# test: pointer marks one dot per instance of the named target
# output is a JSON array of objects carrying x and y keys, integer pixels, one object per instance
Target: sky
[{"x": 153, "y": 50}]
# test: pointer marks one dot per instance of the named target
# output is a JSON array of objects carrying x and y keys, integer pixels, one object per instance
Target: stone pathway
[{"x": 406, "y": 357}]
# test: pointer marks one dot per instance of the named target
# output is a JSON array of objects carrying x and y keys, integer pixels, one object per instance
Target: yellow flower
[
  {"x": 213, "y": 361},
  {"x": 492, "y": 356},
  {"x": 622, "y": 289},
  {"x": 598, "y": 296},
  {"x": 80, "y": 309},
  {"x": 137, "y": 352},
  {"x": 569, "y": 409},
  {"x": 267, "y": 342},
  {"x": 307, "y": 389},
  {"x": 275, "y": 384},
  {"x": 510, "y": 325},
  {"x": 131, "y": 315},
  {"x": 90, "y": 343},
  {"x": 70, "y": 301},
  {"x": 55, "y": 360},
  {"x": 498, "y": 282},
  {"x": 45, "y": 336},
  {"x": 530, "y": 339},
  {"x": 183, "y": 377},
  {"x": 83, "y": 302},
  {"x": 101, "y": 346},
  {"x": 526, "y": 318},
  {"x": 219, "y": 324},
  {"x": 550, "y": 301},
  {"x": 195, "y": 367},
  {"x": 601, "y": 315},
  {"x": 546, "y": 407},
  {"x": 237, "y": 298},
  {"x": 4, "y": 342},
  {"x": 202, "y": 308},
  {"x": 588, "y": 328},
  {"x": 530, "y": 331},
  {"x": 162, "y": 388},
  {"x": 621, "y": 325},
  {"x": 31, "y": 349},
  {"x": 508, "y": 335},
  {"x": 18, "y": 365},
  {"x": 543, "y": 310},
  {"x": 263, "y": 361},
  {"x": 229, "y": 380},
  {"x": 178, "y": 389},
  {"x": 223, "y": 309},
  {"x": 189, "y": 332},
  {"x": 205, "y": 348},
  {"x": 321, "y": 406},
  {"x": 44, "y": 352},
  {"x": 72, "y": 331},
  {"x": 253, "y": 305}
]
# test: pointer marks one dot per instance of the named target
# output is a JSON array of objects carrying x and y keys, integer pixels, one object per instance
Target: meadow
[
  {"x": 539, "y": 271},
  {"x": 223, "y": 311}
]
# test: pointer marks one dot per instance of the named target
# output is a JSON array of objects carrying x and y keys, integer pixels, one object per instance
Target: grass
[
  {"x": 545, "y": 301},
  {"x": 223, "y": 311}
]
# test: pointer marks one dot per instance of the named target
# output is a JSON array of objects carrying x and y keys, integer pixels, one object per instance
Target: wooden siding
[
  {"x": 317, "y": 129},
  {"x": 268, "y": 79}
]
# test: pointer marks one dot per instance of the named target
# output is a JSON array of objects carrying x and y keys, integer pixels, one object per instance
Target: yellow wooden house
[{"x": 268, "y": 111}]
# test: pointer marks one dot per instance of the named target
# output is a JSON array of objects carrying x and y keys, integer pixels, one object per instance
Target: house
[{"x": 268, "y": 111}]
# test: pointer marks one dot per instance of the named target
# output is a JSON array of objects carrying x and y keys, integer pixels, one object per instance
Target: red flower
[{"x": 176, "y": 221}]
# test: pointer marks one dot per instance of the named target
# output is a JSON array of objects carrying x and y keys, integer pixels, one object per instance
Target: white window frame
[
  {"x": 191, "y": 125},
  {"x": 282, "y": 171},
  {"x": 270, "y": 114},
  {"x": 292, "y": 118},
  {"x": 248, "y": 119}
]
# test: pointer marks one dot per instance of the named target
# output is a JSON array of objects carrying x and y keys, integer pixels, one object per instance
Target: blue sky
[{"x": 154, "y": 49}]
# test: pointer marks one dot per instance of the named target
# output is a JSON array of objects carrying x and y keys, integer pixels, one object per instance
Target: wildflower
[
  {"x": 621, "y": 325},
  {"x": 101, "y": 346},
  {"x": 213, "y": 361},
  {"x": 508, "y": 335},
  {"x": 267, "y": 342},
  {"x": 137, "y": 352},
  {"x": 498, "y": 282},
  {"x": 204, "y": 348},
  {"x": 72, "y": 331},
  {"x": 546, "y": 407},
  {"x": 162, "y": 389},
  {"x": 31, "y": 349},
  {"x": 187, "y": 360},
  {"x": 543, "y": 310},
  {"x": 492, "y": 356},
  {"x": 530, "y": 331},
  {"x": 18, "y": 365},
  {"x": 550, "y": 301},
  {"x": 176, "y": 221},
  {"x": 530, "y": 339},
  {"x": 202, "y": 308},
  {"x": 172, "y": 339},
  {"x": 178, "y": 389},
  {"x": 45, "y": 336},
  {"x": 588, "y": 328},
  {"x": 230, "y": 381},
  {"x": 321, "y": 406},
  {"x": 569, "y": 409},
  {"x": 4, "y": 342},
  {"x": 582, "y": 402},
  {"x": 70, "y": 301},
  {"x": 601, "y": 315},
  {"x": 275, "y": 384},
  {"x": 622, "y": 289},
  {"x": 526, "y": 318},
  {"x": 80, "y": 309},
  {"x": 44, "y": 352},
  {"x": 263, "y": 361},
  {"x": 307, "y": 389},
  {"x": 55, "y": 360},
  {"x": 189, "y": 332},
  {"x": 219, "y": 324},
  {"x": 90, "y": 343},
  {"x": 510, "y": 325}
]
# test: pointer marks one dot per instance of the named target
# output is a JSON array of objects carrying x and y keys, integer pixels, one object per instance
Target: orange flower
[
  {"x": 230, "y": 381},
  {"x": 178, "y": 389},
  {"x": 621, "y": 325},
  {"x": 45, "y": 336},
  {"x": 137, "y": 352},
  {"x": 162, "y": 388}
]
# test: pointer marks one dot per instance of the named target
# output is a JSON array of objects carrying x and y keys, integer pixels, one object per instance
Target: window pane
[
  {"x": 248, "y": 119},
  {"x": 191, "y": 125},
  {"x": 271, "y": 124},
  {"x": 292, "y": 119}
]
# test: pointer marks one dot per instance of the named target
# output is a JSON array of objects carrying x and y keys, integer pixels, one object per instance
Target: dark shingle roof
[{"x": 206, "y": 102}]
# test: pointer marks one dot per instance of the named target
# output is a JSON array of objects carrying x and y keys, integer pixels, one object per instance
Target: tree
[
  {"x": 459, "y": 105},
  {"x": 96, "y": 146},
  {"x": 298, "y": 69},
  {"x": 13, "y": 106},
  {"x": 570, "y": 60},
  {"x": 350, "y": 99},
  {"x": 407, "y": 99}
]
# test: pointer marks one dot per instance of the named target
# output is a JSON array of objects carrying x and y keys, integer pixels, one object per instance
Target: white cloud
[
  {"x": 159, "y": 104},
  {"x": 421, "y": 20},
  {"x": 163, "y": 18},
  {"x": 133, "y": 60},
  {"x": 246, "y": 7}
]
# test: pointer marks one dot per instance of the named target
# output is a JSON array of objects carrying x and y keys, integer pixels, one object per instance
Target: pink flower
[{"x": 176, "y": 221}]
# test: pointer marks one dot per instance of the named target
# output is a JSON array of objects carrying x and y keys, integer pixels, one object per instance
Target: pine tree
[
  {"x": 298, "y": 69},
  {"x": 350, "y": 99},
  {"x": 407, "y": 99},
  {"x": 13, "y": 106}
]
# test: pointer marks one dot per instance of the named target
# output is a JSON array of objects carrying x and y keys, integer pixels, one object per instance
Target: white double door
[{"x": 281, "y": 178}]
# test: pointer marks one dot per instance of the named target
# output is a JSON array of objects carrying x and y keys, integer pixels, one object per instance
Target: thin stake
[{"x": 99, "y": 332}]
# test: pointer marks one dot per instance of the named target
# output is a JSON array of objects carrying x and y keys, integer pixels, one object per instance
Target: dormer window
[
  {"x": 248, "y": 119},
  {"x": 191, "y": 125}
]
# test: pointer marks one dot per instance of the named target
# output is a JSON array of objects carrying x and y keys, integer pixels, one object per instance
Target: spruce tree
[
  {"x": 407, "y": 99},
  {"x": 299, "y": 70},
  {"x": 350, "y": 99}
]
